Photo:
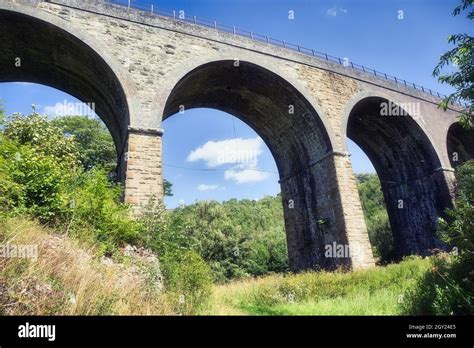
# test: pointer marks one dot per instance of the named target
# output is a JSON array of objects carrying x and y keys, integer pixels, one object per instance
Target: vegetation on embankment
[
  {"x": 375, "y": 291},
  {"x": 51, "y": 197}
]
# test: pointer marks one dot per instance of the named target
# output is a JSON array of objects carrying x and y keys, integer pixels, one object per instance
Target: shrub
[
  {"x": 93, "y": 206},
  {"x": 36, "y": 160},
  {"x": 30, "y": 181},
  {"x": 449, "y": 287},
  {"x": 95, "y": 144},
  {"x": 237, "y": 238},
  {"x": 188, "y": 280},
  {"x": 376, "y": 217},
  {"x": 47, "y": 139}
]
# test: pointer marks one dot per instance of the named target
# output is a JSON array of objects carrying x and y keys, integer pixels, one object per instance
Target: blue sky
[{"x": 367, "y": 32}]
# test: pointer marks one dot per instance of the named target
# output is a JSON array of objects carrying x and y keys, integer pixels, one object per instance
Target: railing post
[
  {"x": 284, "y": 45},
  {"x": 396, "y": 81},
  {"x": 174, "y": 14},
  {"x": 152, "y": 8},
  {"x": 385, "y": 76},
  {"x": 363, "y": 68},
  {"x": 234, "y": 30},
  {"x": 340, "y": 62},
  {"x": 195, "y": 20},
  {"x": 326, "y": 56},
  {"x": 299, "y": 49},
  {"x": 312, "y": 51},
  {"x": 129, "y": 3},
  {"x": 405, "y": 82},
  {"x": 268, "y": 41},
  {"x": 251, "y": 35},
  {"x": 215, "y": 25}
]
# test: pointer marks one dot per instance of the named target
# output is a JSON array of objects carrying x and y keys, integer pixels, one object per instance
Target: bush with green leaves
[
  {"x": 236, "y": 238},
  {"x": 449, "y": 287},
  {"x": 188, "y": 280},
  {"x": 36, "y": 161},
  {"x": 40, "y": 175},
  {"x": 94, "y": 212},
  {"x": 47, "y": 139},
  {"x": 376, "y": 217},
  {"x": 93, "y": 139}
]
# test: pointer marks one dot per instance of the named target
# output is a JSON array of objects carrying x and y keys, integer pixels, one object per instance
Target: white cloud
[
  {"x": 229, "y": 151},
  {"x": 243, "y": 176},
  {"x": 333, "y": 11},
  {"x": 241, "y": 153},
  {"x": 204, "y": 187}
]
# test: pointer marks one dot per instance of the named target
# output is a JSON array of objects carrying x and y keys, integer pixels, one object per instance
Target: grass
[
  {"x": 377, "y": 291},
  {"x": 69, "y": 279}
]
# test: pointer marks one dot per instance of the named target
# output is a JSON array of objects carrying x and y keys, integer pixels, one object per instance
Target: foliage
[
  {"x": 48, "y": 140},
  {"x": 376, "y": 217},
  {"x": 95, "y": 214},
  {"x": 449, "y": 287},
  {"x": 167, "y": 188},
  {"x": 41, "y": 176},
  {"x": 96, "y": 146},
  {"x": 36, "y": 161},
  {"x": 236, "y": 238},
  {"x": 188, "y": 281},
  {"x": 30, "y": 181},
  {"x": 462, "y": 57},
  {"x": 68, "y": 279},
  {"x": 374, "y": 291}
]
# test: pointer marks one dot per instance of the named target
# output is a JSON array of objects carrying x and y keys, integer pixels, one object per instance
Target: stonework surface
[
  {"x": 139, "y": 68},
  {"x": 143, "y": 178}
]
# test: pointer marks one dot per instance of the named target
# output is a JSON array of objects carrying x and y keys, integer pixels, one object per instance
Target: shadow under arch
[
  {"x": 460, "y": 144},
  {"x": 414, "y": 186},
  {"x": 298, "y": 139},
  {"x": 39, "y": 48}
]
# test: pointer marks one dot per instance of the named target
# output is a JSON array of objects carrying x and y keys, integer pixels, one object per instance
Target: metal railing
[{"x": 180, "y": 15}]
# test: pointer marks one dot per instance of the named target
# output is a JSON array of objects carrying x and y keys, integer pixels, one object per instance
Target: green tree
[
  {"x": 376, "y": 217},
  {"x": 96, "y": 146},
  {"x": 462, "y": 57},
  {"x": 35, "y": 130},
  {"x": 448, "y": 288},
  {"x": 36, "y": 161},
  {"x": 168, "y": 188},
  {"x": 237, "y": 238}
]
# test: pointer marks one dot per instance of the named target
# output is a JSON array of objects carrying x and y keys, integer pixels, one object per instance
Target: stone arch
[
  {"x": 415, "y": 187},
  {"x": 300, "y": 142},
  {"x": 177, "y": 75},
  {"x": 459, "y": 144},
  {"x": 78, "y": 66}
]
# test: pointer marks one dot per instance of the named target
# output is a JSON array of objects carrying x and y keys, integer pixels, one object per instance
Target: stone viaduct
[{"x": 139, "y": 69}]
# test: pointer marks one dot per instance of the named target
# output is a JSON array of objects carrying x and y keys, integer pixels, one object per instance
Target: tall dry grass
[{"x": 67, "y": 279}]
